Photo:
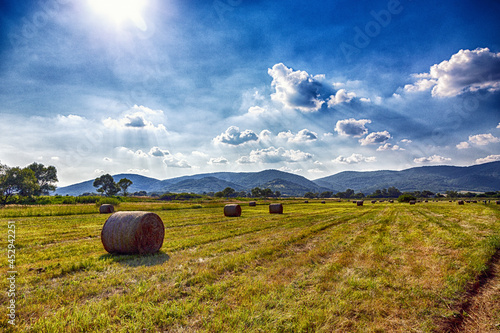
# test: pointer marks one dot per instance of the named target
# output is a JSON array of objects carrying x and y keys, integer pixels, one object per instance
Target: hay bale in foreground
[
  {"x": 359, "y": 203},
  {"x": 106, "y": 209},
  {"x": 498, "y": 202},
  {"x": 232, "y": 210},
  {"x": 133, "y": 233},
  {"x": 252, "y": 203},
  {"x": 276, "y": 208},
  {"x": 461, "y": 202}
]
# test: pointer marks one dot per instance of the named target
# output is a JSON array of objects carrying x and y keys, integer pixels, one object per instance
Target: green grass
[{"x": 317, "y": 268}]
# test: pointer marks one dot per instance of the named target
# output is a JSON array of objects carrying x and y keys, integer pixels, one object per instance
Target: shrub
[
  {"x": 108, "y": 200},
  {"x": 406, "y": 197}
]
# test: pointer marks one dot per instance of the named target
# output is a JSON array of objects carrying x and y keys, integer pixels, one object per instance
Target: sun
[{"x": 120, "y": 11}]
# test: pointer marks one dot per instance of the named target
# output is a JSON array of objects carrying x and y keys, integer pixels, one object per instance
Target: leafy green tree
[
  {"x": 256, "y": 192},
  {"x": 310, "y": 195},
  {"x": 46, "y": 178},
  {"x": 228, "y": 192},
  {"x": 277, "y": 194},
  {"x": 16, "y": 181},
  {"x": 406, "y": 197},
  {"x": 123, "y": 184},
  {"x": 393, "y": 192},
  {"x": 106, "y": 185},
  {"x": 326, "y": 194},
  {"x": 267, "y": 192}
]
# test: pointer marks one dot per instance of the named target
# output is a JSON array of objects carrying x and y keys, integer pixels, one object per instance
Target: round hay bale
[
  {"x": 276, "y": 208},
  {"x": 132, "y": 233},
  {"x": 323, "y": 202},
  {"x": 474, "y": 201},
  {"x": 359, "y": 203},
  {"x": 391, "y": 201},
  {"x": 461, "y": 202},
  {"x": 106, "y": 209},
  {"x": 374, "y": 201},
  {"x": 233, "y": 210},
  {"x": 412, "y": 202},
  {"x": 306, "y": 201},
  {"x": 498, "y": 202},
  {"x": 252, "y": 203}
]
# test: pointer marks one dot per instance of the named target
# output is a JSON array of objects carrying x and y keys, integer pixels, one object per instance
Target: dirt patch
[{"x": 479, "y": 311}]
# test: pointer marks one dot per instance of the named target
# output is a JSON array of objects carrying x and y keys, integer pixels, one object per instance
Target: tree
[
  {"x": 16, "y": 181},
  {"x": 277, "y": 194},
  {"x": 106, "y": 185},
  {"x": 267, "y": 192},
  {"x": 310, "y": 195},
  {"x": 406, "y": 197},
  {"x": 326, "y": 194},
  {"x": 46, "y": 177},
  {"x": 393, "y": 192},
  {"x": 256, "y": 192},
  {"x": 228, "y": 192},
  {"x": 123, "y": 184}
]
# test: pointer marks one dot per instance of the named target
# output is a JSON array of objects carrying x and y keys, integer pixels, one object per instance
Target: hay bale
[
  {"x": 106, "y": 209},
  {"x": 323, "y": 202},
  {"x": 461, "y": 202},
  {"x": 132, "y": 233},
  {"x": 233, "y": 210},
  {"x": 498, "y": 202},
  {"x": 412, "y": 202},
  {"x": 306, "y": 201},
  {"x": 276, "y": 208},
  {"x": 374, "y": 201},
  {"x": 391, "y": 201},
  {"x": 359, "y": 203},
  {"x": 252, "y": 204}
]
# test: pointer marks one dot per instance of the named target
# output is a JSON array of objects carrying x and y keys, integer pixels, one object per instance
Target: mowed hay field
[{"x": 332, "y": 267}]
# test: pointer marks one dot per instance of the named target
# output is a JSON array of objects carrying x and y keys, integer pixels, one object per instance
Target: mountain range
[{"x": 476, "y": 178}]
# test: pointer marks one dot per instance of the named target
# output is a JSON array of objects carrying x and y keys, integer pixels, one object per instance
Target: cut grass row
[{"x": 322, "y": 268}]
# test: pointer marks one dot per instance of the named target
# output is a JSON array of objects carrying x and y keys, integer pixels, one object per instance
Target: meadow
[{"x": 334, "y": 267}]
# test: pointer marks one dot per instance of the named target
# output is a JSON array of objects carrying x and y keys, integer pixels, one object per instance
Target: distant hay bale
[
  {"x": 355, "y": 201},
  {"x": 412, "y": 202},
  {"x": 359, "y": 203},
  {"x": 323, "y": 201},
  {"x": 133, "y": 233},
  {"x": 461, "y": 202},
  {"x": 474, "y": 201},
  {"x": 276, "y": 208},
  {"x": 233, "y": 210},
  {"x": 391, "y": 201},
  {"x": 252, "y": 204},
  {"x": 106, "y": 209},
  {"x": 374, "y": 201},
  {"x": 498, "y": 202},
  {"x": 307, "y": 201}
]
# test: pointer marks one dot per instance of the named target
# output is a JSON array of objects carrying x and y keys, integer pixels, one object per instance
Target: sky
[{"x": 178, "y": 87}]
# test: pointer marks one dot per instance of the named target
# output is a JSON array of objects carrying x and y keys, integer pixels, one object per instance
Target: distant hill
[
  {"x": 479, "y": 178},
  {"x": 482, "y": 178}
]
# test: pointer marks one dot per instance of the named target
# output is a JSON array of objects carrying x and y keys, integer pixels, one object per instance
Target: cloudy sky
[{"x": 177, "y": 87}]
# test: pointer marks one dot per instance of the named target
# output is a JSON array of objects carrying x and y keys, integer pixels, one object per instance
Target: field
[{"x": 331, "y": 267}]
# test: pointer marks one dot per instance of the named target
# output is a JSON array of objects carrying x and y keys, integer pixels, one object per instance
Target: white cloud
[
  {"x": 70, "y": 120},
  {"x": 498, "y": 126},
  {"x": 431, "y": 159},
  {"x": 138, "y": 117},
  {"x": 99, "y": 171},
  {"x": 265, "y": 135},
  {"x": 302, "y": 136},
  {"x": 375, "y": 138},
  {"x": 389, "y": 146},
  {"x": 199, "y": 154},
  {"x": 138, "y": 170},
  {"x": 107, "y": 159},
  {"x": 218, "y": 160},
  {"x": 315, "y": 170},
  {"x": 256, "y": 110},
  {"x": 290, "y": 170},
  {"x": 233, "y": 136},
  {"x": 352, "y": 127},
  {"x": 365, "y": 100},
  {"x": 137, "y": 153},
  {"x": 465, "y": 71},
  {"x": 296, "y": 89},
  {"x": 406, "y": 141},
  {"x": 463, "y": 145},
  {"x": 55, "y": 158},
  {"x": 274, "y": 155},
  {"x": 342, "y": 96},
  {"x": 490, "y": 158},
  {"x": 354, "y": 159},
  {"x": 175, "y": 162},
  {"x": 157, "y": 152},
  {"x": 483, "y": 139}
]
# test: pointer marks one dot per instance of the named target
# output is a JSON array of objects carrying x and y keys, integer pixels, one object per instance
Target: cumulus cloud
[
  {"x": 137, "y": 153},
  {"x": 304, "y": 135},
  {"x": 138, "y": 117},
  {"x": 256, "y": 110},
  {"x": 483, "y": 139},
  {"x": 341, "y": 96},
  {"x": 218, "y": 160},
  {"x": 487, "y": 159},
  {"x": 233, "y": 136},
  {"x": 274, "y": 155},
  {"x": 354, "y": 159},
  {"x": 498, "y": 126},
  {"x": 290, "y": 170},
  {"x": 463, "y": 145},
  {"x": 174, "y": 162},
  {"x": 375, "y": 138},
  {"x": 157, "y": 152},
  {"x": 296, "y": 89},
  {"x": 465, "y": 71},
  {"x": 389, "y": 146},
  {"x": 431, "y": 159},
  {"x": 352, "y": 127},
  {"x": 69, "y": 120},
  {"x": 406, "y": 141}
]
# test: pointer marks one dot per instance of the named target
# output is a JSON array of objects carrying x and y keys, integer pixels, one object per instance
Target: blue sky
[{"x": 170, "y": 88}]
